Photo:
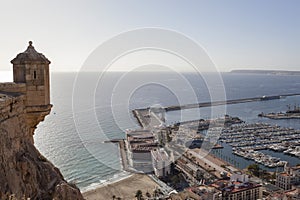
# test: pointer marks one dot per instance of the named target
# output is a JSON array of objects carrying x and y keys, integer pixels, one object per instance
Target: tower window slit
[{"x": 34, "y": 74}]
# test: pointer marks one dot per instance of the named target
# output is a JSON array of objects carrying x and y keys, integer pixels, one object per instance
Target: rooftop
[
  {"x": 144, "y": 147},
  {"x": 30, "y": 56},
  {"x": 296, "y": 167},
  {"x": 143, "y": 136},
  {"x": 294, "y": 192},
  {"x": 285, "y": 174},
  {"x": 160, "y": 155},
  {"x": 233, "y": 187},
  {"x": 272, "y": 188}
]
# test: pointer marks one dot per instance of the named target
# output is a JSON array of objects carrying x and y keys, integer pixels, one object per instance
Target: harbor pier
[
  {"x": 234, "y": 101},
  {"x": 146, "y": 118}
]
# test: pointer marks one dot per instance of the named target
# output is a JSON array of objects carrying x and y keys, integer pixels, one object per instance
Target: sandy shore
[{"x": 125, "y": 188}]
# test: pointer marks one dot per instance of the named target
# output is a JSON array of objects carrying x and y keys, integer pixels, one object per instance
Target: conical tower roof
[{"x": 30, "y": 56}]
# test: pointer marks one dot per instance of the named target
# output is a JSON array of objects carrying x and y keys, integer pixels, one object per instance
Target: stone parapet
[
  {"x": 13, "y": 87},
  {"x": 25, "y": 173},
  {"x": 11, "y": 105}
]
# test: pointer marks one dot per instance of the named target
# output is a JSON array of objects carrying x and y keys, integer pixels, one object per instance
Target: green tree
[
  {"x": 199, "y": 175},
  {"x": 254, "y": 169},
  {"x": 157, "y": 192}
]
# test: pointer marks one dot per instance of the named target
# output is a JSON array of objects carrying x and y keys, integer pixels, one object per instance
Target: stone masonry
[{"x": 24, "y": 172}]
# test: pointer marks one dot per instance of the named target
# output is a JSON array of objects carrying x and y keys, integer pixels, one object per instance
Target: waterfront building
[
  {"x": 242, "y": 191},
  {"x": 139, "y": 144},
  {"x": 161, "y": 162},
  {"x": 288, "y": 178},
  {"x": 270, "y": 189},
  {"x": 238, "y": 190},
  {"x": 293, "y": 194},
  {"x": 205, "y": 192},
  {"x": 239, "y": 177}
]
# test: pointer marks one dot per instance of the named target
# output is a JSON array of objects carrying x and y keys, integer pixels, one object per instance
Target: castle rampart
[
  {"x": 13, "y": 87},
  {"x": 24, "y": 103}
]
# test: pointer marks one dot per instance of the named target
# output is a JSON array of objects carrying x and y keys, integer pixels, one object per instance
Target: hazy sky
[{"x": 256, "y": 34}]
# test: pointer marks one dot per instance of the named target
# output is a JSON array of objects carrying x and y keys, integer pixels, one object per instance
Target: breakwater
[{"x": 234, "y": 101}]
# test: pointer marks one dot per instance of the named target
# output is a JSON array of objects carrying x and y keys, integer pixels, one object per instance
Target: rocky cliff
[{"x": 24, "y": 172}]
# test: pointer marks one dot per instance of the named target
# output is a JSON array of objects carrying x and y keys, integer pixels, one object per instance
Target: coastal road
[
  {"x": 163, "y": 186},
  {"x": 201, "y": 156}
]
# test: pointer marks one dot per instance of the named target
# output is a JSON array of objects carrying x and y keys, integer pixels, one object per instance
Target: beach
[{"x": 125, "y": 188}]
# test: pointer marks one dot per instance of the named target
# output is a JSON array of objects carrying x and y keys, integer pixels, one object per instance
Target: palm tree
[
  {"x": 139, "y": 195},
  {"x": 156, "y": 192},
  {"x": 148, "y": 194}
]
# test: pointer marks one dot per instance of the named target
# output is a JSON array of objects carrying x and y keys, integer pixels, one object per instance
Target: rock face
[{"x": 24, "y": 172}]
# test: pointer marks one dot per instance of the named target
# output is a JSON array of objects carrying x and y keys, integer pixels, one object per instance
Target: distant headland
[{"x": 268, "y": 72}]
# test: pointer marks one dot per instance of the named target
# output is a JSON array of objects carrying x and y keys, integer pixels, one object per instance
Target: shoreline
[
  {"x": 125, "y": 187},
  {"x": 119, "y": 177}
]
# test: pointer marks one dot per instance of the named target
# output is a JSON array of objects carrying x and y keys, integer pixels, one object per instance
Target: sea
[{"x": 91, "y": 108}]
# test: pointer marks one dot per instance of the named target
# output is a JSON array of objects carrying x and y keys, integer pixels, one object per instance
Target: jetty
[
  {"x": 289, "y": 114},
  {"x": 146, "y": 118},
  {"x": 234, "y": 101}
]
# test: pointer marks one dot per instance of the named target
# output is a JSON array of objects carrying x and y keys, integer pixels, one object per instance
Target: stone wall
[
  {"x": 13, "y": 87},
  {"x": 24, "y": 172},
  {"x": 37, "y": 84},
  {"x": 10, "y": 106}
]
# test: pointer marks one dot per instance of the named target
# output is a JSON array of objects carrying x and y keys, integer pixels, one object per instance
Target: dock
[
  {"x": 278, "y": 116},
  {"x": 145, "y": 118},
  {"x": 123, "y": 154}
]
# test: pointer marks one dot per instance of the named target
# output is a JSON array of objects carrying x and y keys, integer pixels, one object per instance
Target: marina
[
  {"x": 247, "y": 140},
  {"x": 253, "y": 142}
]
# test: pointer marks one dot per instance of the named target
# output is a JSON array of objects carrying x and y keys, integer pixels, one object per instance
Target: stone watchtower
[{"x": 31, "y": 69}]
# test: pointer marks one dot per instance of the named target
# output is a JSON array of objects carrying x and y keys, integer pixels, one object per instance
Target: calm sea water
[{"x": 73, "y": 135}]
